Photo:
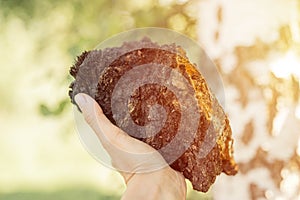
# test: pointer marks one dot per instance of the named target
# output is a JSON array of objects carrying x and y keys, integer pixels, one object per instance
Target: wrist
[{"x": 159, "y": 185}]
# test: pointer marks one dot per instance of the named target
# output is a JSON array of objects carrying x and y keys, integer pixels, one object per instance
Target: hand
[{"x": 135, "y": 160}]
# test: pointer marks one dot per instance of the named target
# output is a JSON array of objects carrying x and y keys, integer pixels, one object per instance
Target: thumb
[
  {"x": 127, "y": 153},
  {"x": 105, "y": 130}
]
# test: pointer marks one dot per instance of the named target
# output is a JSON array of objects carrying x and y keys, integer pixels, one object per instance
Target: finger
[
  {"x": 108, "y": 133},
  {"x": 128, "y": 154},
  {"x": 94, "y": 116}
]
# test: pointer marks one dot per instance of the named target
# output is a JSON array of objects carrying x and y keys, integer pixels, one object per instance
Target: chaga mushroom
[{"x": 205, "y": 145}]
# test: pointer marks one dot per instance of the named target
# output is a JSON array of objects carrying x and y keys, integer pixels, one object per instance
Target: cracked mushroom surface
[{"x": 206, "y": 145}]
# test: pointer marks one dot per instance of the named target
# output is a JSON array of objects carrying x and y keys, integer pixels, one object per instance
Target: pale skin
[{"x": 142, "y": 182}]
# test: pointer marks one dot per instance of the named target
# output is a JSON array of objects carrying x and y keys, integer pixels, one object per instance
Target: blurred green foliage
[
  {"x": 63, "y": 194},
  {"x": 78, "y": 193},
  {"x": 91, "y": 22},
  {"x": 46, "y": 111},
  {"x": 86, "y": 23},
  {"x": 42, "y": 40}
]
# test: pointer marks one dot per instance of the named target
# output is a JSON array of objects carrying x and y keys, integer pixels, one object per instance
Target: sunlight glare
[{"x": 286, "y": 66}]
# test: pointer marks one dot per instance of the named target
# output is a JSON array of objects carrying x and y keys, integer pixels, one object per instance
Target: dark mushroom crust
[{"x": 208, "y": 152}]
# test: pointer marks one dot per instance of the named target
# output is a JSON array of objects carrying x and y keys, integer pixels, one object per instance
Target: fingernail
[{"x": 80, "y": 100}]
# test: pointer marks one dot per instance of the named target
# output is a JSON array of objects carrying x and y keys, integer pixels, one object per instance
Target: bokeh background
[{"x": 255, "y": 45}]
